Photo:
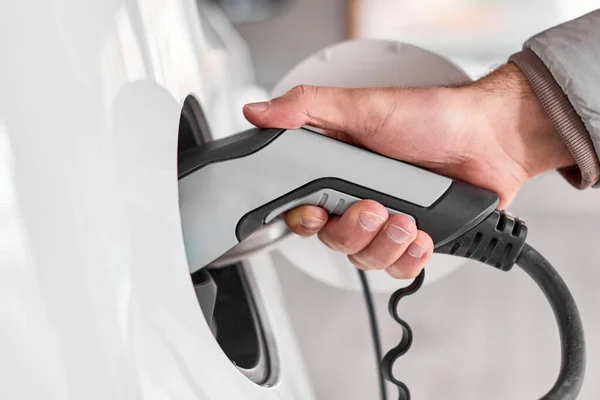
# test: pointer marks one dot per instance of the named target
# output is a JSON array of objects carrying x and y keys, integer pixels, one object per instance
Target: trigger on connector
[{"x": 263, "y": 239}]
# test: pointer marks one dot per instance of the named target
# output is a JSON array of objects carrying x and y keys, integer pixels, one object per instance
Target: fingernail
[
  {"x": 397, "y": 234},
  {"x": 260, "y": 106},
  {"x": 311, "y": 222},
  {"x": 417, "y": 250},
  {"x": 370, "y": 221}
]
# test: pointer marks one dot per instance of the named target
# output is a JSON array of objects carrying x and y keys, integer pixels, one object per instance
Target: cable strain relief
[{"x": 496, "y": 241}]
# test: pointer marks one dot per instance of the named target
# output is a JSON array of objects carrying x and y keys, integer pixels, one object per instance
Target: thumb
[{"x": 353, "y": 111}]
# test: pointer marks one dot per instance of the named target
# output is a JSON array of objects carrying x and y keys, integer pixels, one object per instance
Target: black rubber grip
[
  {"x": 236, "y": 146},
  {"x": 496, "y": 241}
]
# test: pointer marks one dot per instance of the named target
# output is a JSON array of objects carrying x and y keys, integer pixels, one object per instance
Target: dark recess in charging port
[
  {"x": 193, "y": 126},
  {"x": 234, "y": 321}
]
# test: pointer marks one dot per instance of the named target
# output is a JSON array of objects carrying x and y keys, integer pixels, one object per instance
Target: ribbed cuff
[{"x": 564, "y": 117}]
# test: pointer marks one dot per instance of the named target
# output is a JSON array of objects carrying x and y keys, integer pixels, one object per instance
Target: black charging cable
[
  {"x": 570, "y": 327},
  {"x": 499, "y": 240},
  {"x": 374, "y": 330}
]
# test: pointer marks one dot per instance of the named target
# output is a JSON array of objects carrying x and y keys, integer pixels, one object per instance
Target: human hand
[{"x": 492, "y": 133}]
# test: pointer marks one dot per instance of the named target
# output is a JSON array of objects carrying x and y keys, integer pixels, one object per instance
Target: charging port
[
  {"x": 228, "y": 296},
  {"x": 235, "y": 320}
]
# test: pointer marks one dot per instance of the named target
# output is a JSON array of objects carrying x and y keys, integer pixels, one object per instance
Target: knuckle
[
  {"x": 336, "y": 242},
  {"x": 395, "y": 272},
  {"x": 372, "y": 262},
  {"x": 358, "y": 264},
  {"x": 347, "y": 244},
  {"x": 302, "y": 91}
]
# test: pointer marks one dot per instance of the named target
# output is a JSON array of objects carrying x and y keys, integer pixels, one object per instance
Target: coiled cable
[{"x": 499, "y": 240}]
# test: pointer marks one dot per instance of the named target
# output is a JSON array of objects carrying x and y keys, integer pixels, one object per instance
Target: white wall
[{"x": 301, "y": 29}]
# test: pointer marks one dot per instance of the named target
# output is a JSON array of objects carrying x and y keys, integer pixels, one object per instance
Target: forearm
[{"x": 523, "y": 127}]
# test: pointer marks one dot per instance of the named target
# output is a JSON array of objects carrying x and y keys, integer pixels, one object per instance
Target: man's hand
[{"x": 493, "y": 134}]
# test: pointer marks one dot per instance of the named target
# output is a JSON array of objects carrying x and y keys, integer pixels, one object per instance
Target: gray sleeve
[{"x": 562, "y": 64}]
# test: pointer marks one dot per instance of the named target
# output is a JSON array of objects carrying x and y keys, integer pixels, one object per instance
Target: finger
[
  {"x": 357, "y": 112},
  {"x": 354, "y": 230},
  {"x": 306, "y": 220},
  {"x": 390, "y": 243},
  {"x": 414, "y": 259}
]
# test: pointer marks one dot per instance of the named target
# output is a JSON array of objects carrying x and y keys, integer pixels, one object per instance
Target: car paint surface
[{"x": 96, "y": 301}]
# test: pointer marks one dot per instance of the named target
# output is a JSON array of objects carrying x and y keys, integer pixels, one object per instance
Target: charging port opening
[{"x": 228, "y": 296}]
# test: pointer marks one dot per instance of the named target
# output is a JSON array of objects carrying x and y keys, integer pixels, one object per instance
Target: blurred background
[{"x": 479, "y": 334}]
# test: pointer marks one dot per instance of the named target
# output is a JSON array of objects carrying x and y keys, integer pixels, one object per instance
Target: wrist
[{"x": 518, "y": 122}]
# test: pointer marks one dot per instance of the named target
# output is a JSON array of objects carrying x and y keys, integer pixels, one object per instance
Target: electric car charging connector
[{"x": 230, "y": 189}]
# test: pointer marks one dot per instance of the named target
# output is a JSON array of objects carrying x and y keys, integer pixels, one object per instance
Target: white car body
[{"x": 96, "y": 297}]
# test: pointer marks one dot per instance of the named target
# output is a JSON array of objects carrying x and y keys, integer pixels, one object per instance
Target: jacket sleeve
[{"x": 562, "y": 66}]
